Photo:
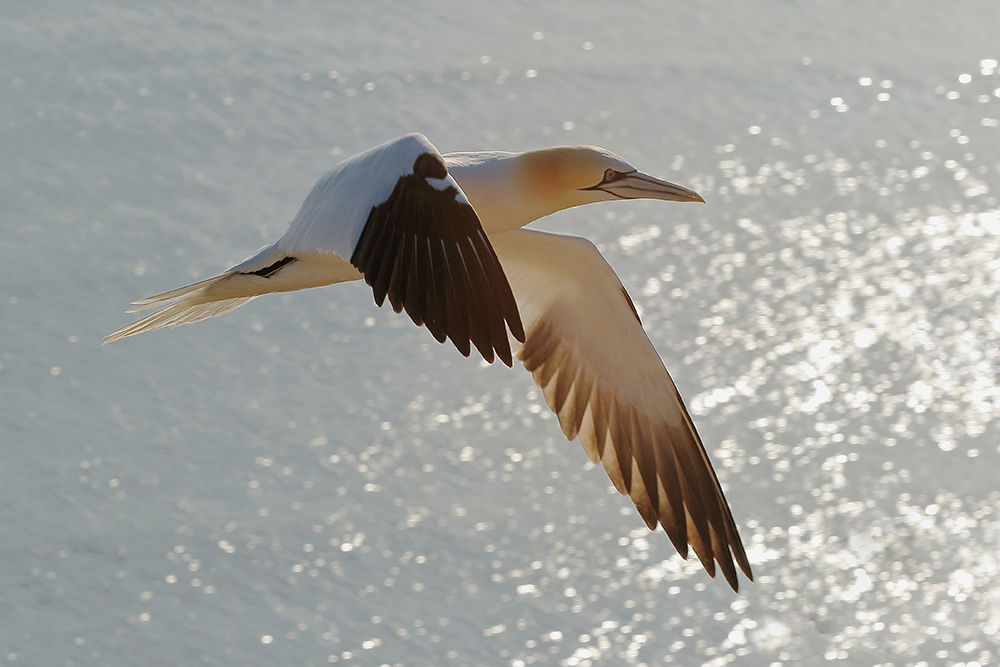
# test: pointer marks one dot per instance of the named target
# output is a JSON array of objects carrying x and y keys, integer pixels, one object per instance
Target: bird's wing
[
  {"x": 397, "y": 215},
  {"x": 600, "y": 374}
]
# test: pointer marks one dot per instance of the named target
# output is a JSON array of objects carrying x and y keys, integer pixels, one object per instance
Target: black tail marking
[{"x": 269, "y": 271}]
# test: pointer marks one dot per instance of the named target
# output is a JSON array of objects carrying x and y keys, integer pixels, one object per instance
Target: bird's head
[
  {"x": 575, "y": 175},
  {"x": 509, "y": 190}
]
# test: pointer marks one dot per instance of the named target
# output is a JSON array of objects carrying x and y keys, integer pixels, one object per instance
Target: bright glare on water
[{"x": 311, "y": 480}]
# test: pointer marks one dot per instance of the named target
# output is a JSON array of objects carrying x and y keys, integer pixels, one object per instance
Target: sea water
[{"x": 311, "y": 480}]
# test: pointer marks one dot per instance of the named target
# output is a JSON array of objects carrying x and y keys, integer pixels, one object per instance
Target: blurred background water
[{"x": 311, "y": 480}]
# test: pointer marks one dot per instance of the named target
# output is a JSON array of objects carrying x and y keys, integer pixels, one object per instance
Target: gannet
[{"x": 440, "y": 236}]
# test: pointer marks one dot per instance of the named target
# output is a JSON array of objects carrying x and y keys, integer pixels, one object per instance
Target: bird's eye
[{"x": 610, "y": 175}]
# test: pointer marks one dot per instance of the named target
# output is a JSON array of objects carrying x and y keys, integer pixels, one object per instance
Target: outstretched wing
[
  {"x": 397, "y": 215},
  {"x": 586, "y": 349},
  {"x": 425, "y": 249}
]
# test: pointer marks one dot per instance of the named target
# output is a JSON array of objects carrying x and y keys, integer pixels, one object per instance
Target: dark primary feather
[
  {"x": 425, "y": 250},
  {"x": 661, "y": 465}
]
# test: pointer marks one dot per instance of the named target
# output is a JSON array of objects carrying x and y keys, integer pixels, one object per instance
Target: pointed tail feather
[
  {"x": 174, "y": 294},
  {"x": 182, "y": 306}
]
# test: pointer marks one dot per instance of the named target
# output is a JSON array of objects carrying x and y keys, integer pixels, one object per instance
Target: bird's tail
[{"x": 183, "y": 305}]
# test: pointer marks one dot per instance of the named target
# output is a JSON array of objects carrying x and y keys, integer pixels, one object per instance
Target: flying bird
[{"x": 440, "y": 237}]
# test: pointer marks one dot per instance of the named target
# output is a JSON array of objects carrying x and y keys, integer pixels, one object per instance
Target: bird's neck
[{"x": 504, "y": 195}]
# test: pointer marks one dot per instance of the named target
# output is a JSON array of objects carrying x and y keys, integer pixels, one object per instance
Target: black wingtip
[
  {"x": 728, "y": 569},
  {"x": 680, "y": 543},
  {"x": 516, "y": 327}
]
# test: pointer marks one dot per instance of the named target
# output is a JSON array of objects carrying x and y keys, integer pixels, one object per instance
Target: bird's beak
[{"x": 637, "y": 185}]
